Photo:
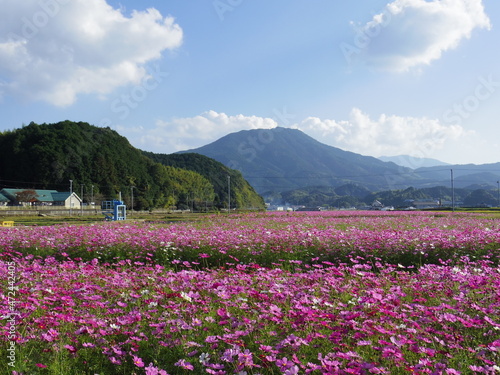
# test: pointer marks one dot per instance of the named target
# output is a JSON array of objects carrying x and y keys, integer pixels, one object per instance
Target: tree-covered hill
[
  {"x": 242, "y": 194},
  {"x": 102, "y": 162}
]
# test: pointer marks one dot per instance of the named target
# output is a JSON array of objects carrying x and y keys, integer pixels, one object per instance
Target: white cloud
[
  {"x": 181, "y": 134},
  {"x": 412, "y": 33},
  {"x": 387, "y": 135},
  {"x": 53, "y": 50}
]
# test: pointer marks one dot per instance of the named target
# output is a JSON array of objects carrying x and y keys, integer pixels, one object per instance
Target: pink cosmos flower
[
  {"x": 152, "y": 370},
  {"x": 478, "y": 369},
  {"x": 138, "y": 361},
  {"x": 294, "y": 370},
  {"x": 51, "y": 335},
  {"x": 70, "y": 348},
  {"x": 115, "y": 361},
  {"x": 216, "y": 372},
  {"x": 184, "y": 364},
  {"x": 245, "y": 358}
]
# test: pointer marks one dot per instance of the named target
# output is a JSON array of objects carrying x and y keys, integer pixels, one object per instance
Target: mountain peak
[{"x": 284, "y": 158}]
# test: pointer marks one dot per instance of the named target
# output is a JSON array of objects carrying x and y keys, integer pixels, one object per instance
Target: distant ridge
[
  {"x": 413, "y": 162},
  {"x": 465, "y": 175}
]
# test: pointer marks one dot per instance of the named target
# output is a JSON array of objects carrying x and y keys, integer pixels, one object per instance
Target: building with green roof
[
  {"x": 35, "y": 197},
  {"x": 4, "y": 201}
]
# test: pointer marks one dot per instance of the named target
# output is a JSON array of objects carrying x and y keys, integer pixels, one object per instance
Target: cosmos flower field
[{"x": 260, "y": 293}]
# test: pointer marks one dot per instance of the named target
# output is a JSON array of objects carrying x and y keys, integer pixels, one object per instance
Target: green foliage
[
  {"x": 242, "y": 193},
  {"x": 480, "y": 197},
  {"x": 400, "y": 198},
  {"x": 397, "y": 198},
  {"x": 353, "y": 195},
  {"x": 47, "y": 156}
]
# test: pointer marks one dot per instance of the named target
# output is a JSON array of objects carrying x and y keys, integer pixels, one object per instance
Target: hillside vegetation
[
  {"x": 351, "y": 195},
  {"x": 242, "y": 194},
  {"x": 104, "y": 163}
]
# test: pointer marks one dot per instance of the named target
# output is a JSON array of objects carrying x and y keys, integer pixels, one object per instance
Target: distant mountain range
[
  {"x": 412, "y": 161},
  {"x": 283, "y": 159},
  {"x": 470, "y": 176},
  {"x": 280, "y": 164}
]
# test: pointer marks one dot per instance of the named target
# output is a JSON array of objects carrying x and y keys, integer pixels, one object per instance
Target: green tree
[
  {"x": 27, "y": 196},
  {"x": 480, "y": 197}
]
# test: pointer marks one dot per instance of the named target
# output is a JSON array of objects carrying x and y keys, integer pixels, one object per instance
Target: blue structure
[{"x": 114, "y": 210}]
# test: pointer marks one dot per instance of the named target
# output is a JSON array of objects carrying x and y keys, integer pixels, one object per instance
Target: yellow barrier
[{"x": 7, "y": 224}]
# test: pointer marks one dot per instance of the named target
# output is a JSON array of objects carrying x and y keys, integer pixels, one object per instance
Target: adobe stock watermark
[
  {"x": 13, "y": 313},
  {"x": 126, "y": 103},
  {"x": 223, "y": 6},
  {"x": 365, "y": 35},
  {"x": 423, "y": 150},
  {"x": 31, "y": 26},
  {"x": 250, "y": 148},
  {"x": 483, "y": 91}
]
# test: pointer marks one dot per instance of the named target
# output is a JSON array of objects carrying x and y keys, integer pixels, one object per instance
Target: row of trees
[{"x": 352, "y": 195}]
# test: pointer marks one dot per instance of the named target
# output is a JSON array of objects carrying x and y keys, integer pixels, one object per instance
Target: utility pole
[
  {"x": 229, "y": 194},
  {"x": 81, "y": 197},
  {"x": 70, "y": 197},
  {"x": 452, "y": 192},
  {"x": 132, "y": 199},
  {"x": 498, "y": 193}
]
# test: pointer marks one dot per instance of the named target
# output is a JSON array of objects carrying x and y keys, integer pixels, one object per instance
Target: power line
[
  {"x": 14, "y": 184},
  {"x": 299, "y": 177},
  {"x": 302, "y": 176}
]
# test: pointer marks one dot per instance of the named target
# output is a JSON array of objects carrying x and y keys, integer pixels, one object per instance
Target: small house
[
  {"x": 377, "y": 205},
  {"x": 426, "y": 203},
  {"x": 67, "y": 199},
  {"x": 4, "y": 201},
  {"x": 35, "y": 197}
]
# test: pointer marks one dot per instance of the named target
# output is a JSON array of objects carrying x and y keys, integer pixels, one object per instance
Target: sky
[{"x": 379, "y": 78}]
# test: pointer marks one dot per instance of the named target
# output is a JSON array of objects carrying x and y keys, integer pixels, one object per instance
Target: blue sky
[{"x": 374, "y": 77}]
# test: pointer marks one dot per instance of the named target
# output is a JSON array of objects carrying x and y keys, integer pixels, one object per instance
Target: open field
[
  {"x": 91, "y": 218},
  {"x": 259, "y": 293}
]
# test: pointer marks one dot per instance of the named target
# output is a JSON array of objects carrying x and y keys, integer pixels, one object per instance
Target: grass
[{"x": 97, "y": 218}]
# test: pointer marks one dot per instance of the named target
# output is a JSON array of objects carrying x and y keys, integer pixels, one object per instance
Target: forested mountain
[
  {"x": 287, "y": 166},
  {"x": 282, "y": 159},
  {"x": 104, "y": 163}
]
